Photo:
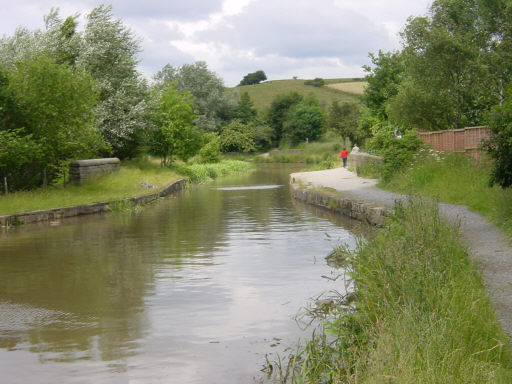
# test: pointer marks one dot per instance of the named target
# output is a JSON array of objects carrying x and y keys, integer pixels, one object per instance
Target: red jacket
[{"x": 344, "y": 153}]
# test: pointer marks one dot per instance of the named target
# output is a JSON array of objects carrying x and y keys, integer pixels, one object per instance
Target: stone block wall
[
  {"x": 359, "y": 158},
  {"x": 81, "y": 171},
  {"x": 362, "y": 211}
]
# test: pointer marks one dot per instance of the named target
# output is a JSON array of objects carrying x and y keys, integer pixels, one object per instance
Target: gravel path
[{"x": 486, "y": 244}]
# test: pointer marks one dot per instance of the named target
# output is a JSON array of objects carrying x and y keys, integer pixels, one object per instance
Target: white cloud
[{"x": 285, "y": 38}]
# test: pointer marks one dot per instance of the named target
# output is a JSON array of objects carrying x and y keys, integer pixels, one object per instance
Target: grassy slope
[
  {"x": 355, "y": 87},
  {"x": 263, "y": 94}
]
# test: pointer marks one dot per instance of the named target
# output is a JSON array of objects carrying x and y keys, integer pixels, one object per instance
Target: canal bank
[
  {"x": 487, "y": 246},
  {"x": 423, "y": 311},
  {"x": 54, "y": 214}
]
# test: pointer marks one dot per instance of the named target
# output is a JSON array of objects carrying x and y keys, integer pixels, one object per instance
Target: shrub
[
  {"x": 317, "y": 82},
  {"x": 236, "y": 137},
  {"x": 210, "y": 152},
  {"x": 399, "y": 152}
]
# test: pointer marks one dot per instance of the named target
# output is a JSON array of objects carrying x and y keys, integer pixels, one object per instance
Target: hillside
[{"x": 263, "y": 94}]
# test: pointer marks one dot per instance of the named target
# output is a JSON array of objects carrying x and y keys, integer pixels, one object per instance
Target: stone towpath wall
[
  {"x": 59, "y": 213},
  {"x": 366, "y": 212}
]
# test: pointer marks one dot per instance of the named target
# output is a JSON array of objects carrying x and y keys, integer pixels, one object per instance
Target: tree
[
  {"x": 305, "y": 121},
  {"x": 342, "y": 119},
  {"x": 108, "y": 52},
  {"x": 236, "y": 137},
  {"x": 207, "y": 89},
  {"x": 57, "y": 104},
  {"x": 11, "y": 116},
  {"x": 19, "y": 156},
  {"x": 499, "y": 145},
  {"x": 383, "y": 81},
  {"x": 245, "y": 111},
  {"x": 277, "y": 112},
  {"x": 253, "y": 78},
  {"x": 445, "y": 79},
  {"x": 174, "y": 134}
]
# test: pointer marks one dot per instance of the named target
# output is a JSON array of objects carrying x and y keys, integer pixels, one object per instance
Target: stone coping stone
[
  {"x": 86, "y": 209},
  {"x": 358, "y": 158},
  {"x": 94, "y": 162}
]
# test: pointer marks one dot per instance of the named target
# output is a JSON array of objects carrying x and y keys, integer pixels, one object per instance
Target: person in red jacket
[{"x": 343, "y": 156}]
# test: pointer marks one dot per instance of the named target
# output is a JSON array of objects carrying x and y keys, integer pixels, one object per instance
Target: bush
[
  {"x": 210, "y": 152},
  {"x": 398, "y": 152},
  {"x": 317, "y": 82},
  {"x": 237, "y": 137},
  {"x": 200, "y": 173}
]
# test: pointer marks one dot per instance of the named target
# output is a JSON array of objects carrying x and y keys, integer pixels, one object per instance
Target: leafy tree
[
  {"x": 10, "y": 114},
  {"x": 245, "y": 111},
  {"x": 342, "y": 119},
  {"x": 61, "y": 38},
  {"x": 445, "y": 79},
  {"x": 19, "y": 155},
  {"x": 305, "y": 121},
  {"x": 278, "y": 110},
  {"x": 262, "y": 135},
  {"x": 57, "y": 104},
  {"x": 500, "y": 143},
  {"x": 383, "y": 81},
  {"x": 108, "y": 52},
  {"x": 175, "y": 134},
  {"x": 213, "y": 106},
  {"x": 253, "y": 78},
  {"x": 237, "y": 137}
]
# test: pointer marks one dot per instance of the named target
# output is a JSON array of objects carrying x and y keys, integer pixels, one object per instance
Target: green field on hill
[{"x": 263, "y": 94}]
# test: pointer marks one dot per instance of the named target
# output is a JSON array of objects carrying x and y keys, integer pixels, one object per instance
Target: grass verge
[
  {"x": 116, "y": 186},
  {"x": 422, "y": 314},
  {"x": 457, "y": 179},
  {"x": 318, "y": 155}
]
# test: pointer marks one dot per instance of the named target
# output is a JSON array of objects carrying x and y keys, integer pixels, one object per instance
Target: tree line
[
  {"x": 454, "y": 70},
  {"x": 67, "y": 93}
]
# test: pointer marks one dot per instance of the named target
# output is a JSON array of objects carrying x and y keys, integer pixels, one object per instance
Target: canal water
[{"x": 198, "y": 288}]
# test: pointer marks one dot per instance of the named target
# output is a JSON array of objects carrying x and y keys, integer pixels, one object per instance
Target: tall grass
[
  {"x": 456, "y": 178},
  {"x": 200, "y": 173},
  {"x": 115, "y": 186},
  {"x": 422, "y": 314},
  {"x": 320, "y": 155}
]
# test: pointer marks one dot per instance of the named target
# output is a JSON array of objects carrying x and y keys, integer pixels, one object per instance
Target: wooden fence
[{"x": 466, "y": 140}]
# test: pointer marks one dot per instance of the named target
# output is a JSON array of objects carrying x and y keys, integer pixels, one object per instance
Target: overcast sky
[{"x": 284, "y": 38}]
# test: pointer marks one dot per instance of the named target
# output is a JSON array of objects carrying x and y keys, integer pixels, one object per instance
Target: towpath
[{"x": 486, "y": 244}]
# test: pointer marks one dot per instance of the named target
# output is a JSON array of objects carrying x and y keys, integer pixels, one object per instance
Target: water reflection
[{"x": 196, "y": 288}]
